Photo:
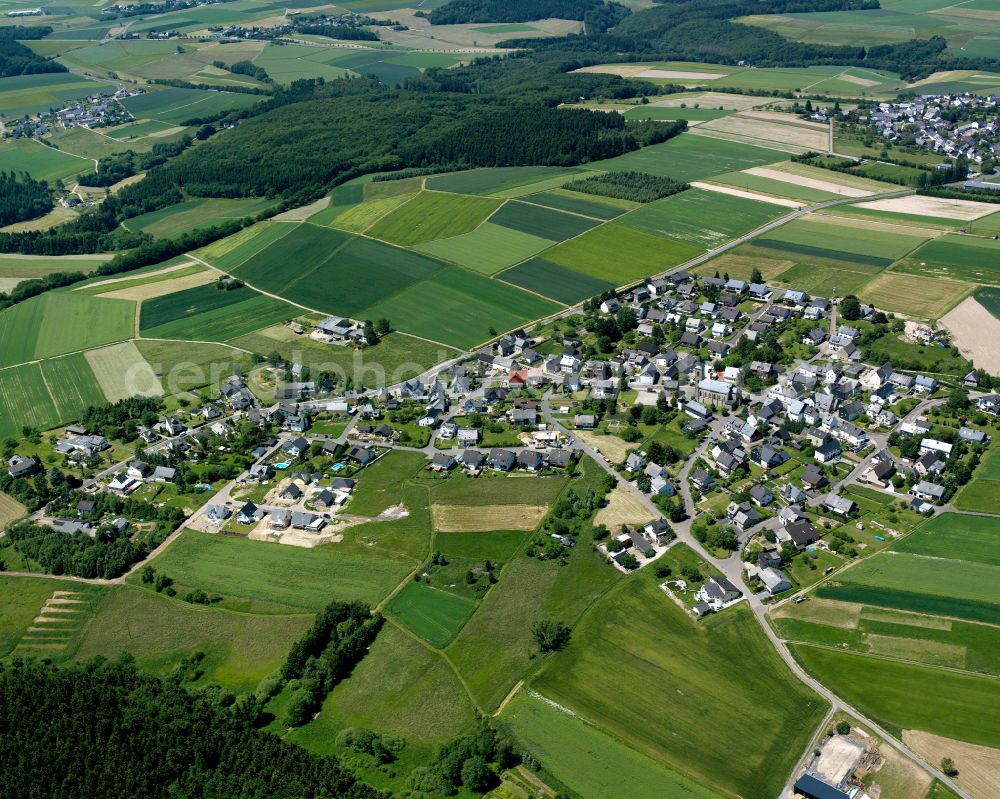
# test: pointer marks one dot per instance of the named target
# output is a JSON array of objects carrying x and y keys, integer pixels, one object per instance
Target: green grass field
[
  {"x": 555, "y": 281},
  {"x": 955, "y": 256},
  {"x": 253, "y": 572},
  {"x": 460, "y": 308},
  {"x": 541, "y": 222},
  {"x": 620, "y": 254},
  {"x": 703, "y": 218},
  {"x": 15, "y": 268},
  {"x": 232, "y": 251},
  {"x": 773, "y": 187},
  {"x": 73, "y": 384},
  {"x": 205, "y": 313},
  {"x": 690, "y": 114},
  {"x": 885, "y": 691},
  {"x": 981, "y": 493},
  {"x": 690, "y": 679},
  {"x": 687, "y": 158},
  {"x": 820, "y": 239},
  {"x": 495, "y": 181},
  {"x": 588, "y": 760},
  {"x": 334, "y": 272},
  {"x": 528, "y": 590},
  {"x": 989, "y": 298},
  {"x": 433, "y": 215},
  {"x": 25, "y": 400},
  {"x": 41, "y": 162},
  {"x": 487, "y": 249},
  {"x": 822, "y": 280},
  {"x": 499, "y": 545},
  {"x": 176, "y": 105},
  {"x": 597, "y": 207},
  {"x": 401, "y": 688},
  {"x": 193, "y": 214},
  {"x": 381, "y": 486},
  {"x": 55, "y": 323},
  {"x": 22, "y": 599},
  {"x": 433, "y": 614},
  {"x": 240, "y": 648}
]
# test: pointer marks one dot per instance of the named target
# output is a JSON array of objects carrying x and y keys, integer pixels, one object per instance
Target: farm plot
[
  {"x": 240, "y": 649},
  {"x": 205, "y": 313},
  {"x": 500, "y": 179},
  {"x": 121, "y": 372},
  {"x": 176, "y": 106},
  {"x": 41, "y": 162},
  {"x": 484, "y": 518},
  {"x": 25, "y": 400},
  {"x": 687, "y": 157},
  {"x": 840, "y": 179},
  {"x": 555, "y": 281},
  {"x": 381, "y": 484},
  {"x": 334, "y": 272},
  {"x": 620, "y": 254},
  {"x": 358, "y": 218},
  {"x": 786, "y": 132},
  {"x": 741, "y": 261},
  {"x": 64, "y": 608},
  {"x": 460, "y": 308},
  {"x": 826, "y": 278},
  {"x": 751, "y": 182},
  {"x": 692, "y": 115},
  {"x": 487, "y": 249},
  {"x": 528, "y": 590},
  {"x": 253, "y": 572},
  {"x": 587, "y": 759},
  {"x": 919, "y": 297},
  {"x": 604, "y": 208},
  {"x": 433, "y": 215},
  {"x": 73, "y": 385},
  {"x": 194, "y": 214},
  {"x": 433, "y": 614},
  {"x": 232, "y": 251},
  {"x": 713, "y": 666},
  {"x": 884, "y": 690},
  {"x": 400, "y": 687},
  {"x": 703, "y": 218},
  {"x": 188, "y": 364},
  {"x": 156, "y": 285},
  {"x": 296, "y": 61},
  {"x": 948, "y": 587},
  {"x": 956, "y": 536},
  {"x": 55, "y": 323},
  {"x": 541, "y": 222},
  {"x": 815, "y": 238},
  {"x": 957, "y": 257}
]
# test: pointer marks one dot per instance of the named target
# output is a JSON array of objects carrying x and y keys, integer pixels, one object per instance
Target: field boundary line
[{"x": 878, "y": 656}]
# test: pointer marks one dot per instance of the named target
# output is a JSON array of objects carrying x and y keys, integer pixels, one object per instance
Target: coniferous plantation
[
  {"x": 105, "y": 730},
  {"x": 16, "y": 59},
  {"x": 636, "y": 186},
  {"x": 22, "y": 198}
]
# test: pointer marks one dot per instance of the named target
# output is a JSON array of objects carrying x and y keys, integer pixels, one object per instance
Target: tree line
[{"x": 461, "y": 11}]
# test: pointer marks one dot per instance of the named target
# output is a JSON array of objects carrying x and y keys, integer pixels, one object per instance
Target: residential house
[
  {"x": 123, "y": 484},
  {"x": 702, "y": 480},
  {"x": 530, "y": 460},
  {"x": 472, "y": 459},
  {"x": 801, "y": 533},
  {"x": 760, "y": 495},
  {"x": 21, "y": 466},
  {"x": 249, "y": 514},
  {"x": 929, "y": 492},
  {"x": 774, "y": 581},
  {"x": 742, "y": 515},
  {"x": 813, "y": 478},
  {"x": 827, "y": 452},
  {"x": 837, "y": 504},
  {"x": 164, "y": 474},
  {"x": 717, "y": 592},
  {"x": 442, "y": 462},
  {"x": 502, "y": 460}
]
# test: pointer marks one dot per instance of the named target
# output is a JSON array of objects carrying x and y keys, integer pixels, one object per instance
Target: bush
[{"x": 550, "y": 635}]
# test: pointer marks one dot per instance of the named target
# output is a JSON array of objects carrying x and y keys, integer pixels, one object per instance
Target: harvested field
[
  {"x": 623, "y": 508},
  {"x": 615, "y": 448},
  {"x": 122, "y": 372},
  {"x": 809, "y": 183},
  {"x": 10, "y": 510},
  {"x": 901, "y": 778},
  {"x": 978, "y": 766},
  {"x": 976, "y": 332},
  {"x": 676, "y": 74},
  {"x": 785, "y": 134},
  {"x": 159, "y": 288},
  {"x": 920, "y": 297},
  {"x": 736, "y": 102},
  {"x": 486, "y": 518},
  {"x": 940, "y": 207},
  {"x": 845, "y": 615},
  {"x": 747, "y": 195},
  {"x": 740, "y": 265},
  {"x": 112, "y": 282}
]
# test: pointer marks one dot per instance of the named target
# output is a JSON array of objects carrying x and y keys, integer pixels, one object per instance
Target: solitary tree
[
  {"x": 550, "y": 635},
  {"x": 948, "y": 766},
  {"x": 844, "y": 728}
]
